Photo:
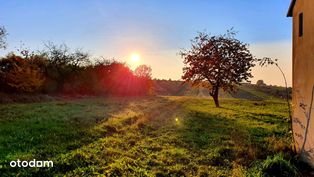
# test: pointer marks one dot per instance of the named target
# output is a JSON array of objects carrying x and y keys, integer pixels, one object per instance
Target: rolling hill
[{"x": 244, "y": 91}]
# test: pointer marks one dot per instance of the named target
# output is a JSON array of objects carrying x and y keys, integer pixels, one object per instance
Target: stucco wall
[{"x": 303, "y": 78}]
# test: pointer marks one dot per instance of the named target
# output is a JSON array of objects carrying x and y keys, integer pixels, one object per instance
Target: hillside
[{"x": 244, "y": 91}]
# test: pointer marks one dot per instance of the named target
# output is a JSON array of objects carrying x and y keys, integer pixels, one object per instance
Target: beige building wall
[{"x": 303, "y": 79}]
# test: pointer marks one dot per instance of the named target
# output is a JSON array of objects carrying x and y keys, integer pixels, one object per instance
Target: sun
[{"x": 135, "y": 58}]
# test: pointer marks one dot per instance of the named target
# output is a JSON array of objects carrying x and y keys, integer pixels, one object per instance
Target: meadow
[{"x": 142, "y": 136}]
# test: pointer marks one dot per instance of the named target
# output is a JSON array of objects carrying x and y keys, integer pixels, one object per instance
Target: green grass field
[{"x": 151, "y": 136}]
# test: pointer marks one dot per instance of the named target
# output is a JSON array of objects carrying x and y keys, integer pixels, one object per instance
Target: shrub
[
  {"x": 20, "y": 74},
  {"x": 58, "y": 70}
]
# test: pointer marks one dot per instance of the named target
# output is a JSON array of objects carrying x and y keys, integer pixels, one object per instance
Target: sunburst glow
[{"x": 135, "y": 58}]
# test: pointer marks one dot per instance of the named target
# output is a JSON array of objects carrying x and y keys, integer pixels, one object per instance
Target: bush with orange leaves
[{"x": 18, "y": 74}]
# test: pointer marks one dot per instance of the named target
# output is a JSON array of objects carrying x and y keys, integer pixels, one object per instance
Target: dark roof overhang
[{"x": 290, "y": 11}]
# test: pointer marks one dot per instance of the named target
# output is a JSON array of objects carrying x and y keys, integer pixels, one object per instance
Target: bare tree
[
  {"x": 3, "y": 34},
  {"x": 268, "y": 61}
]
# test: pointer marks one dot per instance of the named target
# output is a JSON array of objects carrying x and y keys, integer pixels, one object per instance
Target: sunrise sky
[{"x": 152, "y": 31}]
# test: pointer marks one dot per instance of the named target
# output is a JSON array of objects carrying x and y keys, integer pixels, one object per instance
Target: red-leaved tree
[{"x": 218, "y": 61}]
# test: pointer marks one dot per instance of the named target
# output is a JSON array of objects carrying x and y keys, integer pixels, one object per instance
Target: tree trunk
[
  {"x": 215, "y": 97},
  {"x": 216, "y": 101}
]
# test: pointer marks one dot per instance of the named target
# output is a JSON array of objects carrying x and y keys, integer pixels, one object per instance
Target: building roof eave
[{"x": 290, "y": 11}]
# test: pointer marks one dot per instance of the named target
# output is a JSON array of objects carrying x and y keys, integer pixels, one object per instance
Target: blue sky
[{"x": 155, "y": 29}]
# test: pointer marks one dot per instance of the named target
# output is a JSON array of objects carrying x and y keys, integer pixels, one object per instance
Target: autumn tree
[
  {"x": 220, "y": 61},
  {"x": 144, "y": 74},
  {"x": 62, "y": 64},
  {"x": 18, "y": 74},
  {"x": 143, "y": 71}
]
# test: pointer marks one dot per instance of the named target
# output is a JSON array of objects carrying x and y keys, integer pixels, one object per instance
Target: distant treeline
[
  {"x": 243, "y": 91},
  {"x": 276, "y": 91},
  {"x": 56, "y": 70}
]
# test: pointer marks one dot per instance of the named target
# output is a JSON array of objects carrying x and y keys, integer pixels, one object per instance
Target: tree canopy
[
  {"x": 143, "y": 71},
  {"x": 220, "y": 61}
]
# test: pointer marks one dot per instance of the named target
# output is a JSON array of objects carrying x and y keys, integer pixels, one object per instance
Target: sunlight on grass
[{"x": 161, "y": 136}]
